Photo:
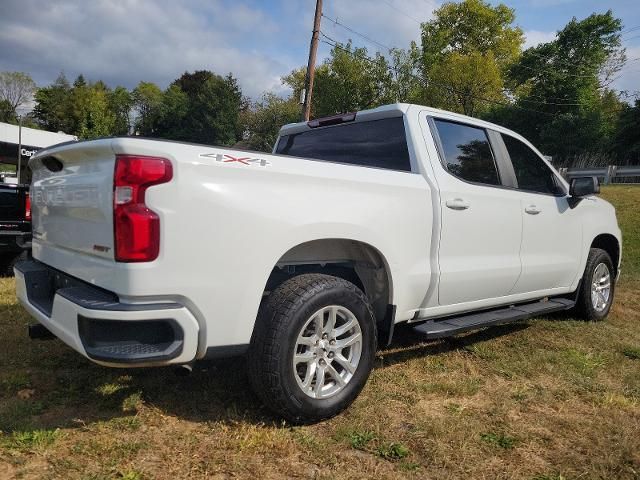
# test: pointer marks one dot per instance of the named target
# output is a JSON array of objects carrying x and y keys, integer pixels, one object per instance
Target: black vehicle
[{"x": 15, "y": 226}]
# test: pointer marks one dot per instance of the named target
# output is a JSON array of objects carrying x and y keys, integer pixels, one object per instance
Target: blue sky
[{"x": 125, "y": 41}]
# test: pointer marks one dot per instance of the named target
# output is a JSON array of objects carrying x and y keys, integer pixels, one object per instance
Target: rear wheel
[
  {"x": 313, "y": 347},
  {"x": 598, "y": 285}
]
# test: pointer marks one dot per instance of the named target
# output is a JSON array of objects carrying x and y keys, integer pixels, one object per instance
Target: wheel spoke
[
  {"x": 307, "y": 341},
  {"x": 318, "y": 320},
  {"x": 331, "y": 322},
  {"x": 309, "y": 374},
  {"x": 335, "y": 375},
  {"x": 344, "y": 363},
  {"x": 320, "y": 374},
  {"x": 304, "y": 357},
  {"x": 347, "y": 342},
  {"x": 352, "y": 322}
]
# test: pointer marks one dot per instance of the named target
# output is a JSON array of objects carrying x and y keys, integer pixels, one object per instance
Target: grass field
[{"x": 544, "y": 399}]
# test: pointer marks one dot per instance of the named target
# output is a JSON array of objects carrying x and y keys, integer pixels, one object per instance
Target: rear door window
[
  {"x": 467, "y": 152},
  {"x": 377, "y": 143}
]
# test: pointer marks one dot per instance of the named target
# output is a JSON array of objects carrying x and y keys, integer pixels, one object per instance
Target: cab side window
[
  {"x": 531, "y": 172},
  {"x": 467, "y": 152}
]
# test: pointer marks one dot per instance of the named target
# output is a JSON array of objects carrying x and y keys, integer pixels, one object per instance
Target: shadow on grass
[
  {"x": 414, "y": 345},
  {"x": 54, "y": 387}
]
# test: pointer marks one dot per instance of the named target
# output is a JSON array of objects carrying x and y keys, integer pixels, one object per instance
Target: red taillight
[
  {"x": 136, "y": 226},
  {"x": 27, "y": 207}
]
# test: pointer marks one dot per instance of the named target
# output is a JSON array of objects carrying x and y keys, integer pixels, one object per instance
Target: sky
[{"x": 125, "y": 41}]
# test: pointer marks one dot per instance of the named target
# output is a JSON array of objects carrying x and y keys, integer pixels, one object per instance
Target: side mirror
[
  {"x": 584, "y": 186},
  {"x": 581, "y": 187}
]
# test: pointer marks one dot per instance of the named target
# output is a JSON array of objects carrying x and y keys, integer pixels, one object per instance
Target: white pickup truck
[{"x": 151, "y": 253}]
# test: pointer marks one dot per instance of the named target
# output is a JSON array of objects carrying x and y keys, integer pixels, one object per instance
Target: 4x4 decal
[{"x": 226, "y": 158}]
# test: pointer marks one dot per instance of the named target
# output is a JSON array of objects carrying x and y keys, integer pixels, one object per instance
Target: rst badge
[{"x": 226, "y": 158}]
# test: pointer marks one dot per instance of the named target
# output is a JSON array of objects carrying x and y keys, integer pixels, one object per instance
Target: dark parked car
[{"x": 15, "y": 226}]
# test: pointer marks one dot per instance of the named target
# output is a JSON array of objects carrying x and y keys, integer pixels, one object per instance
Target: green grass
[{"x": 550, "y": 399}]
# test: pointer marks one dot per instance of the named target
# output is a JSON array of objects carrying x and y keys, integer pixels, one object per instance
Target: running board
[{"x": 449, "y": 326}]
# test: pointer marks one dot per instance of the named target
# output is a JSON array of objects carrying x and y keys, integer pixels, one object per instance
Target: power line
[
  {"x": 402, "y": 12},
  {"x": 362, "y": 35}
]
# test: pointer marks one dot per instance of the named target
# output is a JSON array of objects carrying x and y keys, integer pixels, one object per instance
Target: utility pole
[
  {"x": 19, "y": 146},
  {"x": 311, "y": 66}
]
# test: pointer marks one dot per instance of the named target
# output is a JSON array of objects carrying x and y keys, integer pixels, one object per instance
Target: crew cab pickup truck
[
  {"x": 151, "y": 253},
  {"x": 15, "y": 225}
]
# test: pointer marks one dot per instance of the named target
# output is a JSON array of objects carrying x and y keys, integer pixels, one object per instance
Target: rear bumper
[
  {"x": 94, "y": 323},
  {"x": 14, "y": 241}
]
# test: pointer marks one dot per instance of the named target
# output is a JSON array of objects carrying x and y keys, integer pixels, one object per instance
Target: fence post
[{"x": 607, "y": 176}]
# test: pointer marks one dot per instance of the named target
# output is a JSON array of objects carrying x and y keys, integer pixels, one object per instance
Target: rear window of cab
[{"x": 376, "y": 143}]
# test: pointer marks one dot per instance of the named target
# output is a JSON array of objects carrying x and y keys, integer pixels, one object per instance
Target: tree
[
  {"x": 466, "y": 50},
  {"x": 626, "y": 139},
  {"x": 466, "y": 83},
  {"x": 471, "y": 26},
  {"x": 207, "y": 112},
  {"x": 7, "y": 113},
  {"x": 120, "y": 103},
  {"x": 147, "y": 101},
  {"x": 263, "y": 119},
  {"x": 347, "y": 81},
  {"x": 53, "y": 106},
  {"x": 16, "y": 88},
  {"x": 563, "y": 81}
]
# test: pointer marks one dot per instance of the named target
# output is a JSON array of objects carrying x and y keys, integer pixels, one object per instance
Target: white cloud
[
  {"x": 394, "y": 23},
  {"x": 132, "y": 40},
  {"x": 534, "y": 37},
  {"x": 628, "y": 79}
]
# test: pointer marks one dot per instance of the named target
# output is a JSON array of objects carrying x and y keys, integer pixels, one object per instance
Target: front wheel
[
  {"x": 598, "y": 286},
  {"x": 313, "y": 347}
]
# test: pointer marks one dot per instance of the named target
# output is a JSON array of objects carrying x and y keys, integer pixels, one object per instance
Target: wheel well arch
[
  {"x": 355, "y": 261},
  {"x": 609, "y": 244}
]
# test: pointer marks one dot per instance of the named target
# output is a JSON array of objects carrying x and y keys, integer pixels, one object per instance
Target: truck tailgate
[{"x": 72, "y": 198}]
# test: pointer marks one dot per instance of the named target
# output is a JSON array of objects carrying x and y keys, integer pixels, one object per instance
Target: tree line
[{"x": 469, "y": 59}]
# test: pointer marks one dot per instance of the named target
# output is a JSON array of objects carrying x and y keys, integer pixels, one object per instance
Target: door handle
[
  {"x": 532, "y": 210},
  {"x": 457, "y": 204}
]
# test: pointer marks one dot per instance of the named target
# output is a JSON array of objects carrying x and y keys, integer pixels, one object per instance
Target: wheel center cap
[{"x": 323, "y": 345}]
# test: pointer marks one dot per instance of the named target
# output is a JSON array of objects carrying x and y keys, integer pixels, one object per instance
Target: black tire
[
  {"x": 9, "y": 261},
  {"x": 584, "y": 305},
  {"x": 281, "y": 318}
]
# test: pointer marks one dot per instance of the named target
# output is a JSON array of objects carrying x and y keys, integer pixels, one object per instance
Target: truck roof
[{"x": 399, "y": 109}]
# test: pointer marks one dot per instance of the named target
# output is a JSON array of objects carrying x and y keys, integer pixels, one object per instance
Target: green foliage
[
  {"x": 626, "y": 137},
  {"x": 632, "y": 353},
  {"x": 465, "y": 83},
  {"x": 53, "y": 106},
  {"x": 147, "y": 100},
  {"x": 465, "y": 50},
  {"x": 392, "y": 451},
  {"x": 563, "y": 81},
  {"x": 201, "y": 107},
  {"x": 263, "y": 119},
  {"x": 360, "y": 440},
  {"x": 7, "y": 113},
  {"x": 30, "y": 440},
  {"x": 499, "y": 440},
  {"x": 346, "y": 81},
  {"x": 471, "y": 26}
]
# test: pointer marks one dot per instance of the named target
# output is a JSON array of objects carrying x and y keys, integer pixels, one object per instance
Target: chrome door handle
[
  {"x": 532, "y": 210},
  {"x": 457, "y": 204}
]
